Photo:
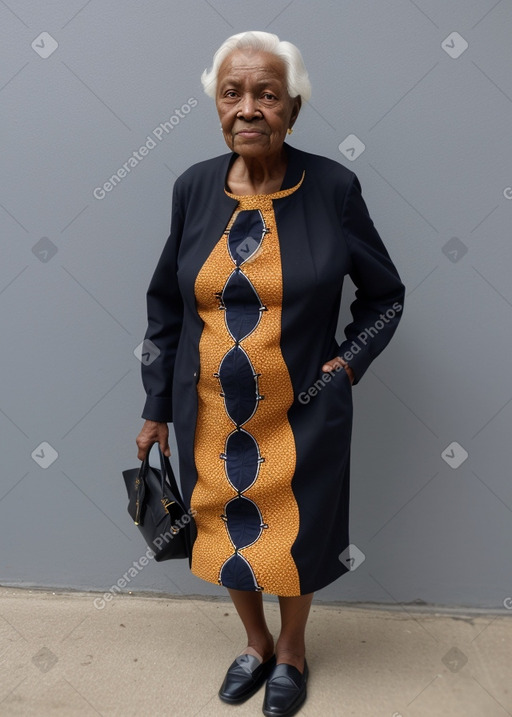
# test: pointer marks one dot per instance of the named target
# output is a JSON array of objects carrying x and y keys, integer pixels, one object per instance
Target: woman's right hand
[{"x": 153, "y": 432}]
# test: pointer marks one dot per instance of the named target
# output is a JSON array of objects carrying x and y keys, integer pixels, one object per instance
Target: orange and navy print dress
[{"x": 246, "y": 514}]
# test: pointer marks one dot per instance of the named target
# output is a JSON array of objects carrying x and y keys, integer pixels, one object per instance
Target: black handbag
[{"x": 156, "y": 506}]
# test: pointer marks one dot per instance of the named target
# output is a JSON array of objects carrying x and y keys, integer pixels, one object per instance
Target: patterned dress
[{"x": 246, "y": 514}]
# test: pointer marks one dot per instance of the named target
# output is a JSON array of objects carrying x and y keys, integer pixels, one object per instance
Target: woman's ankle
[
  {"x": 291, "y": 655},
  {"x": 263, "y": 646}
]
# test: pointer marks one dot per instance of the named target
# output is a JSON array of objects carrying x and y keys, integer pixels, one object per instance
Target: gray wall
[{"x": 437, "y": 175}]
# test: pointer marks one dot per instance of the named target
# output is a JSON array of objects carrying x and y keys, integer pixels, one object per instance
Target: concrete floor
[{"x": 149, "y": 656}]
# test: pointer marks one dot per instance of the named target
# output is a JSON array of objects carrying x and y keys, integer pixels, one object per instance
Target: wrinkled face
[{"x": 253, "y": 103}]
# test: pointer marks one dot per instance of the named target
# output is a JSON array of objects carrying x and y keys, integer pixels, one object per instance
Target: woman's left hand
[{"x": 334, "y": 364}]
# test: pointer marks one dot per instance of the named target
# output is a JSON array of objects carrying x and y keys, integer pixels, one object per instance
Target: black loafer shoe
[
  {"x": 286, "y": 691},
  {"x": 244, "y": 677}
]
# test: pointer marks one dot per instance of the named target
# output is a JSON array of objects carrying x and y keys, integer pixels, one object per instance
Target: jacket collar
[{"x": 294, "y": 166}]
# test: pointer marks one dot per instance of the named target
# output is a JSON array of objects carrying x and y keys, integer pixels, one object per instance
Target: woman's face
[{"x": 253, "y": 103}]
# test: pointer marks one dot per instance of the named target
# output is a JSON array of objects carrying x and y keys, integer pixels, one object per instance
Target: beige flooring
[{"x": 149, "y": 656}]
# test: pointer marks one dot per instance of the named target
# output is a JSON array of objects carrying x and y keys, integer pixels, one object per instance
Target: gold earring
[{"x": 289, "y": 130}]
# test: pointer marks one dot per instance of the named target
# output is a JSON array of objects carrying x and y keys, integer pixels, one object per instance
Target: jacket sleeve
[
  {"x": 378, "y": 305},
  {"x": 165, "y": 318}
]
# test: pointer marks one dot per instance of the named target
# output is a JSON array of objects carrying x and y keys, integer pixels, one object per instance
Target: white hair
[{"x": 296, "y": 74}]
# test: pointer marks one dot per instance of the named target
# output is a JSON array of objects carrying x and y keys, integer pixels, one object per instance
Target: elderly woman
[{"x": 243, "y": 308}]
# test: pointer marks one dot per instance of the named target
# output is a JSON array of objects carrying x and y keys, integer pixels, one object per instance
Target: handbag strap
[{"x": 166, "y": 470}]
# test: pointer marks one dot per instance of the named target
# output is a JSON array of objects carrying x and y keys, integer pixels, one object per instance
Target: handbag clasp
[{"x": 166, "y": 503}]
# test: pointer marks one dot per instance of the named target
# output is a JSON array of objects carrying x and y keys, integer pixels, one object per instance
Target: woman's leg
[
  {"x": 249, "y": 606},
  {"x": 291, "y": 647}
]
